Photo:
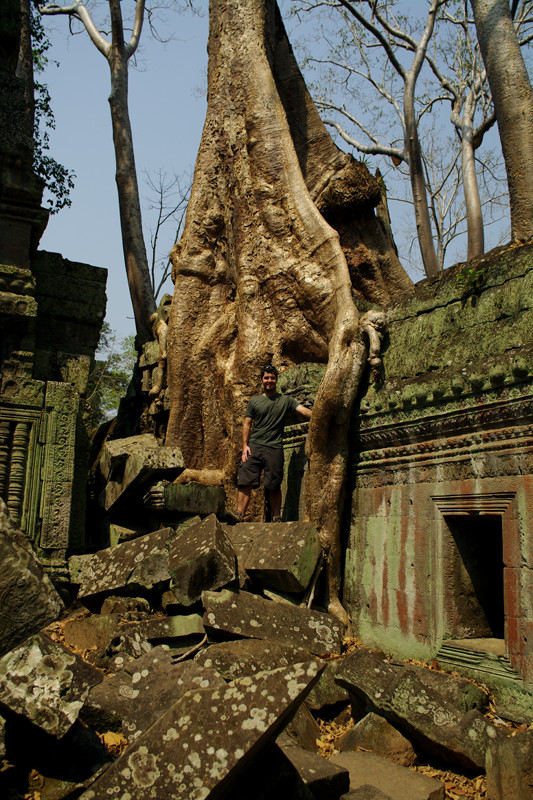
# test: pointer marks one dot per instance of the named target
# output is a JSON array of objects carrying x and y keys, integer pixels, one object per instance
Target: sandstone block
[
  {"x": 130, "y": 464},
  {"x": 248, "y": 656},
  {"x": 200, "y": 558},
  {"x": 133, "y": 699},
  {"x": 97, "y": 631},
  {"x": 302, "y": 731},
  {"x": 422, "y": 713},
  {"x": 249, "y": 616},
  {"x": 45, "y": 683},
  {"x": 29, "y": 600},
  {"x": 366, "y": 792},
  {"x": 124, "y": 605},
  {"x": 326, "y": 690},
  {"x": 396, "y": 782},
  {"x": 509, "y": 767},
  {"x": 324, "y": 779},
  {"x": 284, "y": 556},
  {"x": 130, "y": 567},
  {"x": 272, "y": 774},
  {"x": 208, "y": 737},
  {"x": 375, "y": 734}
]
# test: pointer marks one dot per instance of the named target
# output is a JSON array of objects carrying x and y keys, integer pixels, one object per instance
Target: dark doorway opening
[{"x": 475, "y": 576}]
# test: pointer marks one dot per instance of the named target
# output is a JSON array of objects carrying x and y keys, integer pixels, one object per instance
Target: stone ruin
[{"x": 195, "y": 658}]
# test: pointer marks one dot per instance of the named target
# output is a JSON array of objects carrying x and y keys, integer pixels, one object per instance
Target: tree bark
[
  {"x": 513, "y": 103},
  {"x": 280, "y": 236},
  {"x": 135, "y": 259},
  {"x": 474, "y": 215}
]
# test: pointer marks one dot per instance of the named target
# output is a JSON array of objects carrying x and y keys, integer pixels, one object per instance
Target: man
[{"x": 262, "y": 443}]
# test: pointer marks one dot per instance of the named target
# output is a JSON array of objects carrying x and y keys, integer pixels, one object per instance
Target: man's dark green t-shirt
[{"x": 268, "y": 414}]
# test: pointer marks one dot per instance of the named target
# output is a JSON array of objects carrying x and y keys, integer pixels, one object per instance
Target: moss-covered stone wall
[{"x": 447, "y": 435}]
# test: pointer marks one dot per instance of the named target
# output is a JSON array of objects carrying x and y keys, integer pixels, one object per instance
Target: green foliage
[
  {"x": 110, "y": 376},
  {"x": 59, "y": 181},
  {"x": 471, "y": 279}
]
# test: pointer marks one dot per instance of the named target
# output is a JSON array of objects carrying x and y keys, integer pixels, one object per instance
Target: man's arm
[
  {"x": 305, "y": 412},
  {"x": 246, "y": 431}
]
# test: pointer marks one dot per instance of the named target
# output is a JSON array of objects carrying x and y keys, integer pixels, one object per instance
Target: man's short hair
[{"x": 269, "y": 368}]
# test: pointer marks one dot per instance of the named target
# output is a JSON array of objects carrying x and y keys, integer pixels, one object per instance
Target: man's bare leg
[
  {"x": 275, "y": 503},
  {"x": 243, "y": 498}
]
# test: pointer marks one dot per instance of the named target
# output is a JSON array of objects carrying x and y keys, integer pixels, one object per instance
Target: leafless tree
[
  {"x": 117, "y": 51},
  {"x": 513, "y": 103},
  {"x": 168, "y": 198}
]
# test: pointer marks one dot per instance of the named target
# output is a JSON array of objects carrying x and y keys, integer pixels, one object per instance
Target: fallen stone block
[
  {"x": 302, "y": 731},
  {"x": 326, "y": 691},
  {"x": 366, "y": 792},
  {"x": 2, "y": 737},
  {"x": 324, "y": 779},
  {"x": 459, "y": 692},
  {"x": 396, "y": 782},
  {"x": 130, "y": 465},
  {"x": 29, "y": 600},
  {"x": 509, "y": 766},
  {"x": 272, "y": 774},
  {"x": 207, "y": 738},
  {"x": 62, "y": 765},
  {"x": 119, "y": 534},
  {"x": 284, "y": 556},
  {"x": 134, "y": 698},
  {"x": 78, "y": 566},
  {"x": 374, "y": 733},
  {"x": 248, "y": 657},
  {"x": 45, "y": 683},
  {"x": 97, "y": 630},
  {"x": 129, "y": 568},
  {"x": 186, "y": 498},
  {"x": 244, "y": 614},
  {"x": 434, "y": 724},
  {"x": 200, "y": 558},
  {"x": 124, "y": 605}
]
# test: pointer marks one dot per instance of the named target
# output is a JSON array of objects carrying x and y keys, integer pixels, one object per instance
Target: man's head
[{"x": 269, "y": 379}]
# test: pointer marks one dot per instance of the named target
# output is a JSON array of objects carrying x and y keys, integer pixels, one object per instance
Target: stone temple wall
[
  {"x": 50, "y": 319},
  {"x": 440, "y": 546}
]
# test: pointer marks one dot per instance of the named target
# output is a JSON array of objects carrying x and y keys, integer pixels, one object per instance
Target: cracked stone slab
[
  {"x": 418, "y": 710},
  {"x": 45, "y": 683},
  {"x": 284, "y": 555},
  {"x": 207, "y": 738},
  {"x": 202, "y": 557},
  {"x": 130, "y": 464},
  {"x": 396, "y": 782},
  {"x": 29, "y": 600},
  {"x": 248, "y": 656},
  {"x": 244, "y": 614},
  {"x": 129, "y": 567},
  {"x": 134, "y": 698}
]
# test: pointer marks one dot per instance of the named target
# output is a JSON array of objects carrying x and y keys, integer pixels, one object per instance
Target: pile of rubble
[{"x": 199, "y": 655}]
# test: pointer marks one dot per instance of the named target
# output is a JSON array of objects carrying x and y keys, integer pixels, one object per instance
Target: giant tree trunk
[
  {"x": 513, "y": 102},
  {"x": 280, "y": 235}
]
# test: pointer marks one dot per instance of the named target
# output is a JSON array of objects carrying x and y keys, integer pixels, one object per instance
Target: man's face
[{"x": 269, "y": 381}]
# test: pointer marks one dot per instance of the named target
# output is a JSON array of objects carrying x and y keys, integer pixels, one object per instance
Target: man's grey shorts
[{"x": 269, "y": 459}]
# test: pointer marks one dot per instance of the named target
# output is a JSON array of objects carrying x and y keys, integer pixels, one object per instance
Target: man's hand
[{"x": 245, "y": 453}]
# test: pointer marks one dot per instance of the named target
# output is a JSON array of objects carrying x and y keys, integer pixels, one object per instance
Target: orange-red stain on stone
[{"x": 401, "y": 594}]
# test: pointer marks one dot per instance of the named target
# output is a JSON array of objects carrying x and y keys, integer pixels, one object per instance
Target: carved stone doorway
[
  {"x": 473, "y": 576},
  {"x": 479, "y": 547}
]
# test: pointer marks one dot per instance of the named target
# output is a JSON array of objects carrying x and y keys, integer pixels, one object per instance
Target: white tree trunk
[{"x": 513, "y": 102}]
